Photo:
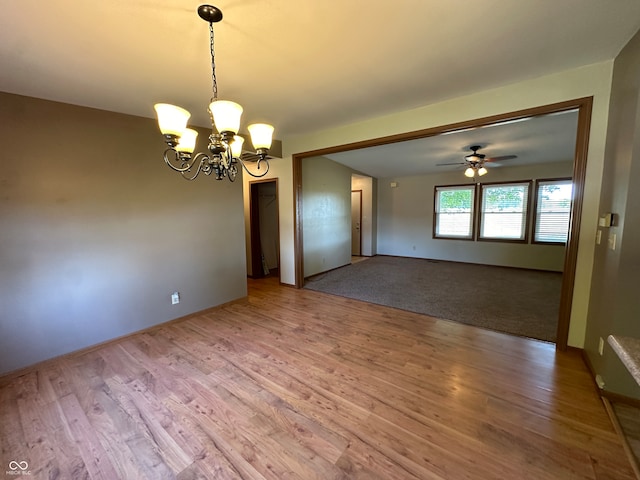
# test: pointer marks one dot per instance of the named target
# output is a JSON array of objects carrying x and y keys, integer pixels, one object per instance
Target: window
[
  {"x": 552, "y": 212},
  {"x": 454, "y": 212},
  {"x": 503, "y": 214}
]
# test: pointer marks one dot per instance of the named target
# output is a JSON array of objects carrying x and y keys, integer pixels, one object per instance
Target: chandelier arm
[
  {"x": 186, "y": 164},
  {"x": 203, "y": 165},
  {"x": 246, "y": 169},
  {"x": 232, "y": 171}
]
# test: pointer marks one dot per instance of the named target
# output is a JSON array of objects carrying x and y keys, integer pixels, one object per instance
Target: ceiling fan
[{"x": 475, "y": 162}]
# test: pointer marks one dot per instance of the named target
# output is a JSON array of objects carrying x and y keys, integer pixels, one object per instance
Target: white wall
[
  {"x": 592, "y": 80},
  {"x": 405, "y": 221}
]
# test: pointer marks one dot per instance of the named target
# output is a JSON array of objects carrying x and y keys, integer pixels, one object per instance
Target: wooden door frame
[
  {"x": 255, "y": 256},
  {"x": 584, "y": 107}
]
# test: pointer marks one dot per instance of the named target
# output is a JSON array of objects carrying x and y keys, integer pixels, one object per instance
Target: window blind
[
  {"x": 553, "y": 210},
  {"x": 504, "y": 211}
]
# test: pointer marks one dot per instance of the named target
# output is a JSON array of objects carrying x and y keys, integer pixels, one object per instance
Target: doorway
[
  {"x": 264, "y": 258},
  {"x": 582, "y": 105},
  {"x": 356, "y": 222}
]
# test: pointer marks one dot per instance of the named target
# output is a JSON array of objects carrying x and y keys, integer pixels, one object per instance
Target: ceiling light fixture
[
  {"x": 472, "y": 170},
  {"x": 475, "y": 162},
  {"x": 225, "y": 145}
]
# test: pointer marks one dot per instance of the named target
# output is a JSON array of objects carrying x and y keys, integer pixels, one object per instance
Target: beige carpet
[{"x": 515, "y": 301}]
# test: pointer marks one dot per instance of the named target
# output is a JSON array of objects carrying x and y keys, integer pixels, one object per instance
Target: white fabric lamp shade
[
  {"x": 187, "y": 142},
  {"x": 172, "y": 120},
  {"x": 261, "y": 135},
  {"x": 226, "y": 115},
  {"x": 236, "y": 146}
]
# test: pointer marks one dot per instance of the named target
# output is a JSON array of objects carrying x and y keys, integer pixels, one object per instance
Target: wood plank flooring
[{"x": 296, "y": 384}]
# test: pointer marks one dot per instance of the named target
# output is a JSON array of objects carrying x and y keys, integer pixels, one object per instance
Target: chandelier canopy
[{"x": 225, "y": 145}]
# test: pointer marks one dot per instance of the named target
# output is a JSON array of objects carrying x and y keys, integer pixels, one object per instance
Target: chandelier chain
[
  {"x": 214, "y": 80},
  {"x": 220, "y": 159}
]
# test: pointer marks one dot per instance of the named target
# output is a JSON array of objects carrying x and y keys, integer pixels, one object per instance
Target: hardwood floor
[{"x": 295, "y": 384}]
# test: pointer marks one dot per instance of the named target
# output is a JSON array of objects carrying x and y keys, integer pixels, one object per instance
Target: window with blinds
[
  {"x": 453, "y": 216},
  {"x": 503, "y": 212},
  {"x": 553, "y": 210}
]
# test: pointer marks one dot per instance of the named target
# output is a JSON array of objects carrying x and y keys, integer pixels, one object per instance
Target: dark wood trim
[
  {"x": 296, "y": 160},
  {"x": 584, "y": 107},
  {"x": 620, "y": 432},
  {"x": 617, "y": 398},
  {"x": 612, "y": 396}
]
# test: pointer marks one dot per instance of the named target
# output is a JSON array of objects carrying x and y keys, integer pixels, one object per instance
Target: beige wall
[
  {"x": 97, "y": 232},
  {"x": 326, "y": 216},
  {"x": 614, "y": 306},
  {"x": 405, "y": 221},
  {"x": 593, "y": 80}
]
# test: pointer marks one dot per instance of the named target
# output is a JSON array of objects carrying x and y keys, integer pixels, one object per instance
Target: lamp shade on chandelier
[{"x": 225, "y": 145}]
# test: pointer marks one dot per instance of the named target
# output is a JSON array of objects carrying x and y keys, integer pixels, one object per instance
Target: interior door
[{"x": 356, "y": 222}]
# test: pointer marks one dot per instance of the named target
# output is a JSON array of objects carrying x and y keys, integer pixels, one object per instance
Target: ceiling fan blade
[
  {"x": 445, "y": 164},
  {"x": 499, "y": 159}
]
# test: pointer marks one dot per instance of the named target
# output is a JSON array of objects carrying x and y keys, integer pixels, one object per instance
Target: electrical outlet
[
  {"x": 175, "y": 298},
  {"x": 601, "y": 346}
]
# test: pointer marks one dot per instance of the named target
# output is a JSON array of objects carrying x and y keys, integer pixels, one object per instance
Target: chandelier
[{"x": 225, "y": 145}]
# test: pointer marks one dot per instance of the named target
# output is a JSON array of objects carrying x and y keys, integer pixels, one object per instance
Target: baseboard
[
  {"x": 623, "y": 399},
  {"x": 587, "y": 362},
  {"x": 623, "y": 439},
  {"x": 612, "y": 396},
  {"x": 11, "y": 375},
  {"x": 311, "y": 277},
  {"x": 437, "y": 260}
]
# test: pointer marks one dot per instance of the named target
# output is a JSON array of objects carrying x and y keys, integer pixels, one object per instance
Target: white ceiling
[
  {"x": 534, "y": 140},
  {"x": 302, "y": 65}
]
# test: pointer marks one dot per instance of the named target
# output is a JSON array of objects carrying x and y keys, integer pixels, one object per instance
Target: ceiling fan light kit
[
  {"x": 225, "y": 145},
  {"x": 475, "y": 161}
]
